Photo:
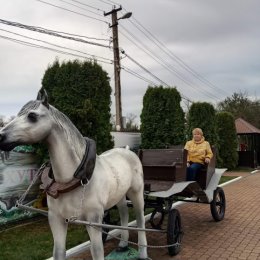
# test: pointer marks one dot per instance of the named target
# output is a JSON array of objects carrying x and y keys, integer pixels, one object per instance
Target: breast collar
[{"x": 81, "y": 176}]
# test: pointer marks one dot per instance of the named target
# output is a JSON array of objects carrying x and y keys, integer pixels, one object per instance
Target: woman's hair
[{"x": 197, "y": 130}]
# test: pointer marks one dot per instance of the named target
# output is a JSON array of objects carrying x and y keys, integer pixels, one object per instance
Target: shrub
[
  {"x": 226, "y": 130},
  {"x": 81, "y": 90},
  {"x": 162, "y": 118}
]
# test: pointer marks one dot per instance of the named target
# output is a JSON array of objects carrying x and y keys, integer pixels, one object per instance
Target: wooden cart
[{"x": 165, "y": 183}]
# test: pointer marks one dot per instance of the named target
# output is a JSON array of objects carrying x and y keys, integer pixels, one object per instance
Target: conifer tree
[
  {"x": 226, "y": 130},
  {"x": 162, "y": 118},
  {"x": 81, "y": 90},
  {"x": 202, "y": 115}
]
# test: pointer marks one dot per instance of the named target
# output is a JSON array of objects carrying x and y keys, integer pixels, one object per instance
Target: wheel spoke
[{"x": 219, "y": 203}]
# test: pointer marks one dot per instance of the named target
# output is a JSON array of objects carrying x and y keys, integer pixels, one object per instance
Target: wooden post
[{"x": 117, "y": 67}]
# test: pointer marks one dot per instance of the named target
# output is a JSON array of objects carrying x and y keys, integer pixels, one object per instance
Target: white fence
[{"x": 122, "y": 139}]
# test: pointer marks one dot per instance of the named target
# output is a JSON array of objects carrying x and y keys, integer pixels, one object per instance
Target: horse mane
[{"x": 74, "y": 137}]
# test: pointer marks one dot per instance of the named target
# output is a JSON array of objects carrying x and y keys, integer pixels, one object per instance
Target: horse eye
[{"x": 32, "y": 117}]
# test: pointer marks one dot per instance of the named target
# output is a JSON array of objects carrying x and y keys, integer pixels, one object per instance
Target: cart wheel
[
  {"x": 174, "y": 232},
  {"x": 218, "y": 204},
  {"x": 106, "y": 220}
]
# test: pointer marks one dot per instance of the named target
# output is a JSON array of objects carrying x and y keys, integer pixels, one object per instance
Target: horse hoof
[{"x": 122, "y": 249}]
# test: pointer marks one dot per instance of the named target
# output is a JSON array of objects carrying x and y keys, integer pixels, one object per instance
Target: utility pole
[{"x": 117, "y": 67}]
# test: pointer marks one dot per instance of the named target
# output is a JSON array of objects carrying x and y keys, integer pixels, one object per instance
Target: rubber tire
[
  {"x": 174, "y": 232},
  {"x": 218, "y": 204}
]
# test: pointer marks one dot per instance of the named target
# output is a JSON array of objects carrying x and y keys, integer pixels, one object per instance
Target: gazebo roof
[{"x": 243, "y": 127}]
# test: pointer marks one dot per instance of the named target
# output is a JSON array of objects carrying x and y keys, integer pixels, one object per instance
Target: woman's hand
[{"x": 207, "y": 160}]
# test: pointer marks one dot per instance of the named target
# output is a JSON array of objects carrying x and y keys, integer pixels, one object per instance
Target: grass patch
[
  {"x": 241, "y": 169},
  {"x": 33, "y": 241},
  {"x": 226, "y": 178}
]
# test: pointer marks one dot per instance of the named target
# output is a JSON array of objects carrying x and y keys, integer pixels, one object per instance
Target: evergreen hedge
[
  {"x": 81, "y": 90},
  {"x": 228, "y": 143},
  {"x": 162, "y": 118},
  {"x": 202, "y": 115}
]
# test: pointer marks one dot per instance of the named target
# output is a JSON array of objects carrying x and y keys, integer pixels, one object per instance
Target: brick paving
[{"x": 236, "y": 237}]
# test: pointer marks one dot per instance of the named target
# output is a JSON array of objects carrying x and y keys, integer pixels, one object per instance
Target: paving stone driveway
[{"x": 236, "y": 237}]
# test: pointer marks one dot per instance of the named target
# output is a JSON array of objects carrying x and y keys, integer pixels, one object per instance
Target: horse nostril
[{"x": 1, "y": 137}]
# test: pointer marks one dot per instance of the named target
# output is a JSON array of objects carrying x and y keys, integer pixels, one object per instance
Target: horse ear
[{"x": 43, "y": 97}]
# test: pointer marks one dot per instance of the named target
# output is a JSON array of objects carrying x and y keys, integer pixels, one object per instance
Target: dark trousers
[{"x": 193, "y": 170}]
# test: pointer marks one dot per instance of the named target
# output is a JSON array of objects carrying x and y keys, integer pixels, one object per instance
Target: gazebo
[{"x": 248, "y": 144}]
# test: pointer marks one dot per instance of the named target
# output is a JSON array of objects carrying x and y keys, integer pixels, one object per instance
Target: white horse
[{"x": 117, "y": 173}]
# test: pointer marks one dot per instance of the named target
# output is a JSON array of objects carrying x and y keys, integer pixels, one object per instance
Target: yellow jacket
[{"x": 198, "y": 151}]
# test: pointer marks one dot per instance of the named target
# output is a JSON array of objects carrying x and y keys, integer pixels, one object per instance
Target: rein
[{"x": 81, "y": 176}]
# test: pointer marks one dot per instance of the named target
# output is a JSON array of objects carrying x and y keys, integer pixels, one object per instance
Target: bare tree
[
  {"x": 131, "y": 124},
  {"x": 239, "y": 105}
]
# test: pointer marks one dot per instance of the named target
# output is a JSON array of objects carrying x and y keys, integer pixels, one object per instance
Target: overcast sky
[{"x": 208, "y": 49}]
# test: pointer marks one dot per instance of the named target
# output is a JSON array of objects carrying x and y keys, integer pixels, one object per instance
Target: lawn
[
  {"x": 226, "y": 178},
  {"x": 32, "y": 239}
]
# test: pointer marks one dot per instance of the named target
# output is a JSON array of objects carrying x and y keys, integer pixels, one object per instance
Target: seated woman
[{"x": 199, "y": 154}]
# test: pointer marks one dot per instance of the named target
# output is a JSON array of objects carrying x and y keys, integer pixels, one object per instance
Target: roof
[{"x": 243, "y": 127}]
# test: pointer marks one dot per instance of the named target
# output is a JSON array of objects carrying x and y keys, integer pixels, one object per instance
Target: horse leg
[
  {"x": 95, "y": 235},
  {"x": 124, "y": 216},
  {"x": 138, "y": 202},
  {"x": 59, "y": 233}
]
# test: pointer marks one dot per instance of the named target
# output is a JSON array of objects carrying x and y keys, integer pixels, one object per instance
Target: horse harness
[{"x": 81, "y": 176}]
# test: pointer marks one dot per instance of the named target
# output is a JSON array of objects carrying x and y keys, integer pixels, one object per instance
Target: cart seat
[{"x": 162, "y": 168}]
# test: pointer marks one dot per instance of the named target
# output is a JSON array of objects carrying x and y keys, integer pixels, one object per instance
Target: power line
[
  {"x": 112, "y": 2},
  {"x": 149, "y": 81},
  {"x": 54, "y": 33},
  {"x": 59, "y": 46},
  {"x": 167, "y": 51},
  {"x": 173, "y": 70},
  {"x": 81, "y": 36},
  {"x": 163, "y": 63},
  {"x": 105, "y": 2},
  {"x": 63, "y": 1},
  {"x": 178, "y": 60},
  {"x": 81, "y": 8},
  {"x": 47, "y": 48},
  {"x": 88, "y": 10},
  {"x": 150, "y": 73},
  {"x": 145, "y": 69},
  {"x": 87, "y": 16},
  {"x": 50, "y": 32},
  {"x": 138, "y": 75},
  {"x": 90, "y": 6}
]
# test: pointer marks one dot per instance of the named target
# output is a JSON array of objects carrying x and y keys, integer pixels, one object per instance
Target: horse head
[{"x": 32, "y": 124}]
